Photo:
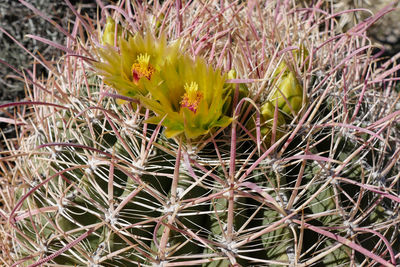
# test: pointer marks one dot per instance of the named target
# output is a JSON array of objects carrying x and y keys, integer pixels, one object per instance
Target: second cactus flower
[{"x": 188, "y": 98}]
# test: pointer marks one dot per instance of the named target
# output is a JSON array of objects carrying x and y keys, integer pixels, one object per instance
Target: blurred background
[{"x": 18, "y": 20}]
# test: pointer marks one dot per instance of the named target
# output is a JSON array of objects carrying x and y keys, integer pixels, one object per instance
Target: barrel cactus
[{"x": 206, "y": 133}]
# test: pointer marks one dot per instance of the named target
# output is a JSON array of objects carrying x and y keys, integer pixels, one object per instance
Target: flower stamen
[
  {"x": 142, "y": 68},
  {"x": 192, "y": 97}
]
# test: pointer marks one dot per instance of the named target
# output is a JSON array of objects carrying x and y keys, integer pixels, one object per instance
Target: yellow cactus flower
[
  {"x": 142, "y": 68},
  {"x": 136, "y": 59},
  {"x": 192, "y": 97},
  {"x": 188, "y": 98}
]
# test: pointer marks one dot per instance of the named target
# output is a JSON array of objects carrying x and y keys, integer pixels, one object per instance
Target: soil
[{"x": 18, "y": 20}]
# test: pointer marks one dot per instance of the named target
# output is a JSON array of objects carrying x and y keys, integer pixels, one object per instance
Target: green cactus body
[
  {"x": 320, "y": 204},
  {"x": 181, "y": 242},
  {"x": 218, "y": 227},
  {"x": 277, "y": 243}
]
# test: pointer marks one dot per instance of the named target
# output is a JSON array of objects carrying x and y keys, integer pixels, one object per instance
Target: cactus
[{"x": 234, "y": 145}]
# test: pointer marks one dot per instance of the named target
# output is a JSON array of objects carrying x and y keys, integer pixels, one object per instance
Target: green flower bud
[
  {"x": 267, "y": 123},
  {"x": 108, "y": 37},
  {"x": 288, "y": 93},
  {"x": 243, "y": 92}
]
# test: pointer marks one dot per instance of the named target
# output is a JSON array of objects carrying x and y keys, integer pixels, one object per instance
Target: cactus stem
[
  {"x": 165, "y": 234},
  {"x": 231, "y": 206},
  {"x": 176, "y": 173},
  {"x": 231, "y": 257}
]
